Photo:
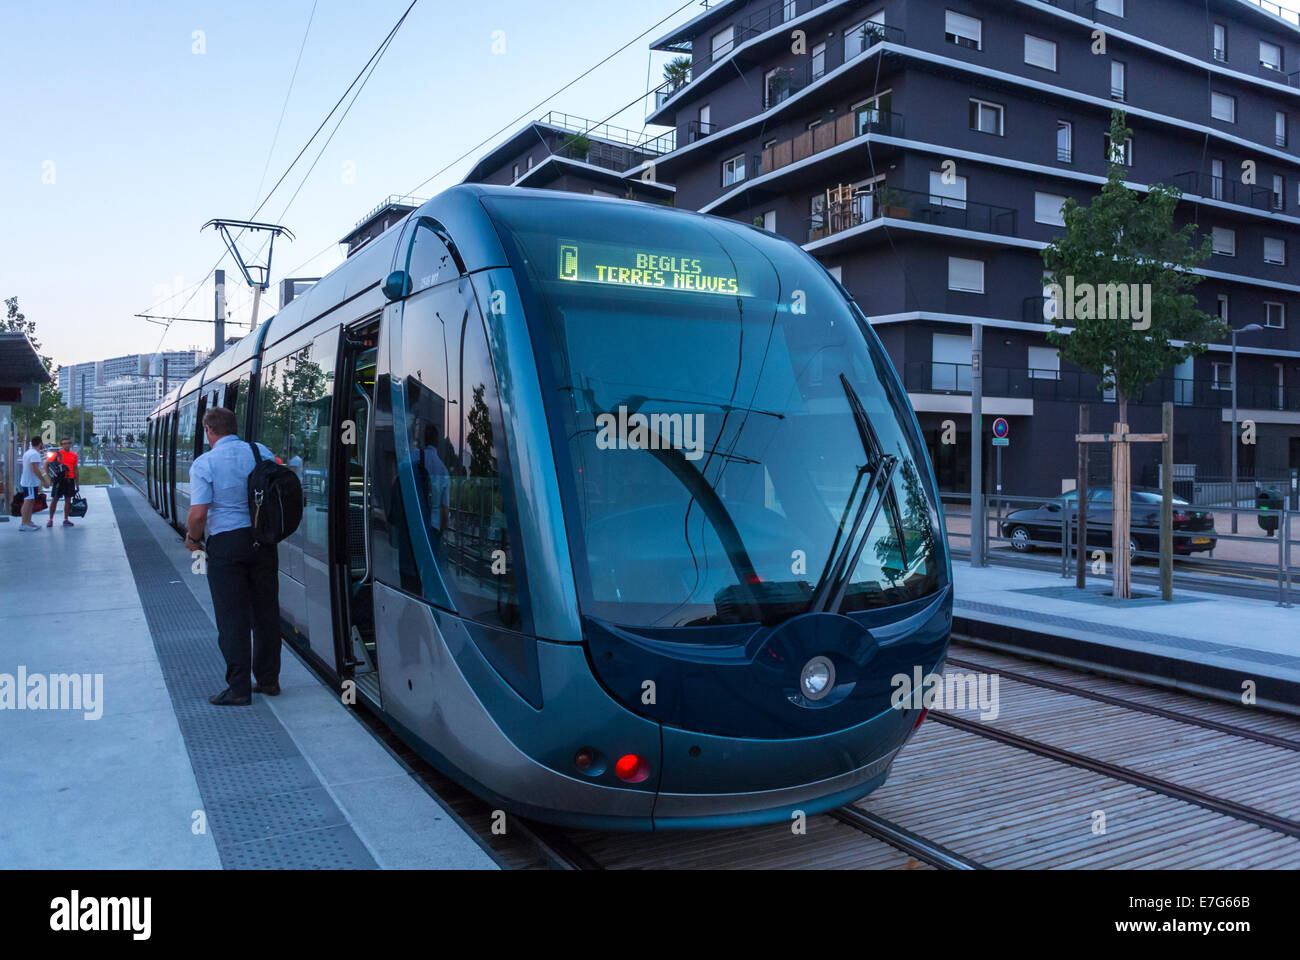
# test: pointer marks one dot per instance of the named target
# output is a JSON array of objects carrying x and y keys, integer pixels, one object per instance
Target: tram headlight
[{"x": 817, "y": 678}]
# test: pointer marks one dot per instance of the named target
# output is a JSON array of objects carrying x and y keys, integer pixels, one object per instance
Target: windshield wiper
[{"x": 879, "y": 469}]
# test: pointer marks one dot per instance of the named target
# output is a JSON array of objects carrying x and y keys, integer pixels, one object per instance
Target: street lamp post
[{"x": 1248, "y": 328}]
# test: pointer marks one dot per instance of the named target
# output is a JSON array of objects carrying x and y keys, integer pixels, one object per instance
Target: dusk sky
[{"x": 124, "y": 132}]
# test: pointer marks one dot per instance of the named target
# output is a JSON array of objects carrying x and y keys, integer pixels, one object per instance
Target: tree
[{"x": 1123, "y": 242}]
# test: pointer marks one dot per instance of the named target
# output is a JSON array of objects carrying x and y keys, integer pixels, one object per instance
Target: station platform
[
  {"x": 128, "y": 766},
  {"x": 1205, "y": 643}
]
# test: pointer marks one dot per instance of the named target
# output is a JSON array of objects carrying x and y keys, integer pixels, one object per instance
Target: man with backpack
[
  {"x": 62, "y": 467},
  {"x": 243, "y": 572}
]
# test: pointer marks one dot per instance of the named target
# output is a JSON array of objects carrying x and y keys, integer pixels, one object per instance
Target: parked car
[{"x": 1193, "y": 529}]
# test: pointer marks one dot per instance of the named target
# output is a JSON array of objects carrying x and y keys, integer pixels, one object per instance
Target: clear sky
[
  {"x": 123, "y": 132},
  {"x": 120, "y": 139}
]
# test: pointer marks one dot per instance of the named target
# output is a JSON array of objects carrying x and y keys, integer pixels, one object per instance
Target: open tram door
[{"x": 352, "y": 568}]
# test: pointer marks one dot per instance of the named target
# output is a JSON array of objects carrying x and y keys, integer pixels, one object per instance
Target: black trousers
[{"x": 245, "y": 584}]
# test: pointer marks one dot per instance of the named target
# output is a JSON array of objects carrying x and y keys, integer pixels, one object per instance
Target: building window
[
  {"x": 965, "y": 276},
  {"x": 1223, "y": 107},
  {"x": 778, "y": 85},
  {"x": 1040, "y": 53},
  {"x": 1221, "y": 307},
  {"x": 819, "y": 61},
  {"x": 1047, "y": 209},
  {"x": 723, "y": 41},
  {"x": 1216, "y": 179},
  {"x": 950, "y": 356},
  {"x": 1275, "y": 251},
  {"x": 1274, "y": 314},
  {"x": 1270, "y": 55},
  {"x": 1279, "y": 129},
  {"x": 1118, "y": 80},
  {"x": 769, "y": 221},
  {"x": 529, "y": 163},
  {"x": 1220, "y": 375},
  {"x": 515, "y": 172},
  {"x": 1114, "y": 7},
  {"x": 1122, "y": 155},
  {"x": 1225, "y": 242},
  {"x": 733, "y": 170},
  {"x": 837, "y": 273},
  {"x": 1220, "y": 43},
  {"x": 986, "y": 117},
  {"x": 1279, "y": 191},
  {"x": 962, "y": 30},
  {"x": 787, "y": 10},
  {"x": 1044, "y": 363},
  {"x": 947, "y": 194},
  {"x": 1065, "y": 141}
]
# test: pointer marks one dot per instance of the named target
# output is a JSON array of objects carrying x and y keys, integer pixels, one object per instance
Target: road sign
[
  {"x": 1001, "y": 429},
  {"x": 1001, "y": 442}
]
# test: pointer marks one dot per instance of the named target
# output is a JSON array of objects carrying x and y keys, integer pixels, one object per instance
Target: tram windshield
[{"x": 705, "y": 377}]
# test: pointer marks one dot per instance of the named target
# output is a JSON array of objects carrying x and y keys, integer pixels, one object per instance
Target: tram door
[{"x": 352, "y": 567}]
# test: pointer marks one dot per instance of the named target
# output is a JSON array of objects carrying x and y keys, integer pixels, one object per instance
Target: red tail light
[
  {"x": 920, "y": 717},
  {"x": 1180, "y": 516},
  {"x": 631, "y": 768}
]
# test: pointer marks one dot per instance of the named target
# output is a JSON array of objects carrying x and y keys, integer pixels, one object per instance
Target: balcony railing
[
  {"x": 1290, "y": 16},
  {"x": 1225, "y": 189},
  {"x": 780, "y": 85},
  {"x": 822, "y": 137},
  {"x": 699, "y": 129},
  {"x": 912, "y": 205},
  {"x": 1039, "y": 310},
  {"x": 929, "y": 376}
]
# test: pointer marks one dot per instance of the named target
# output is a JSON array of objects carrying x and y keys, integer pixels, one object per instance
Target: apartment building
[
  {"x": 564, "y": 152},
  {"x": 124, "y": 404},
  {"x": 922, "y": 149}
]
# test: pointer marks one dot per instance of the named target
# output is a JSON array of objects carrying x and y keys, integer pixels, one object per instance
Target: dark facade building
[
  {"x": 564, "y": 152},
  {"x": 922, "y": 149}
]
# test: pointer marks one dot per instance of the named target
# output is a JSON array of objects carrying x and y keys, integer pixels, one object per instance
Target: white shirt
[{"x": 32, "y": 460}]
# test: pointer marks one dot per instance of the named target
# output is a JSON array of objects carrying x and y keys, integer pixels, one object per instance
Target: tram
[{"x": 617, "y": 514}]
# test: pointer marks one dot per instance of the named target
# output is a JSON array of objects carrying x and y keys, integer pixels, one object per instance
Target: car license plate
[{"x": 1196, "y": 541}]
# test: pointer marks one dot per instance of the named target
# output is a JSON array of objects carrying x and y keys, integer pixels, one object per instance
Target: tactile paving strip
[{"x": 264, "y": 806}]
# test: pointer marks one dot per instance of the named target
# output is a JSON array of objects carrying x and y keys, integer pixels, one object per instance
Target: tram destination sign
[{"x": 645, "y": 267}]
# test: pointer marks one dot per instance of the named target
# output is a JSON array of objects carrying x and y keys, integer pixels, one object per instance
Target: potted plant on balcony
[
  {"x": 891, "y": 204},
  {"x": 677, "y": 72},
  {"x": 873, "y": 33},
  {"x": 576, "y": 147}
]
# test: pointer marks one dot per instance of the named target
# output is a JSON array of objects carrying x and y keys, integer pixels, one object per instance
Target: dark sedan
[{"x": 1193, "y": 529}]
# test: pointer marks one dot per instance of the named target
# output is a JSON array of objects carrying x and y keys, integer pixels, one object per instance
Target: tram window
[
  {"x": 429, "y": 262},
  {"x": 186, "y": 433},
  {"x": 479, "y": 556},
  {"x": 240, "y": 389}
]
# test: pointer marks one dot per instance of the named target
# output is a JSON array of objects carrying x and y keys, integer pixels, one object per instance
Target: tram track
[
  {"x": 1168, "y": 788},
  {"x": 1178, "y": 716}
]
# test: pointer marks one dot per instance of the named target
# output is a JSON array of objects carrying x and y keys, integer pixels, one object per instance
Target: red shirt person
[{"x": 63, "y": 462}]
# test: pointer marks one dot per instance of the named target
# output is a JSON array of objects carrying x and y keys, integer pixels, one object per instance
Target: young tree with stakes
[{"x": 1123, "y": 237}]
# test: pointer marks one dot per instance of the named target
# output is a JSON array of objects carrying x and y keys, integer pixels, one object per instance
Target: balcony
[
  {"x": 830, "y": 134},
  {"x": 782, "y": 84},
  {"x": 927, "y": 208},
  {"x": 1225, "y": 189},
  {"x": 699, "y": 129},
  {"x": 603, "y": 145}
]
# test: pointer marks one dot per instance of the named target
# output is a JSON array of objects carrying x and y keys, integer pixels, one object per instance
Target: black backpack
[{"x": 274, "y": 499}]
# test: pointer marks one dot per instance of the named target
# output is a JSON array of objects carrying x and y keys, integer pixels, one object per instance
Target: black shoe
[
  {"x": 268, "y": 689},
  {"x": 227, "y": 699}
]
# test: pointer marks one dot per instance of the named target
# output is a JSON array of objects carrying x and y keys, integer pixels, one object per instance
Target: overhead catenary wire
[{"x": 364, "y": 72}]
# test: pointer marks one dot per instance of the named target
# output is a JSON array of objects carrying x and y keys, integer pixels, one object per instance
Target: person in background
[
  {"x": 32, "y": 479},
  {"x": 438, "y": 483},
  {"x": 64, "y": 485},
  {"x": 243, "y": 575}
]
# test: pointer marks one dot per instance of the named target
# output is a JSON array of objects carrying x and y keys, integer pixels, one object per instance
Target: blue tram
[{"x": 618, "y": 514}]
